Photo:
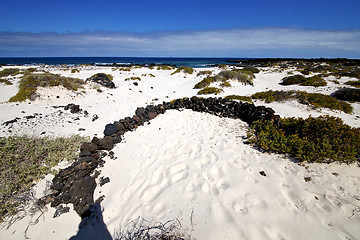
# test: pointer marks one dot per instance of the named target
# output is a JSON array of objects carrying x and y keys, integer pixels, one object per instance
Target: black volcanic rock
[{"x": 102, "y": 79}]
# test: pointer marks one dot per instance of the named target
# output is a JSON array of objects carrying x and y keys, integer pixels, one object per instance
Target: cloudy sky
[{"x": 226, "y": 28}]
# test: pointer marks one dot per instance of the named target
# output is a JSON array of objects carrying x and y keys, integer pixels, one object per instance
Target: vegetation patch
[
  {"x": 5, "y": 81},
  {"x": 210, "y": 90},
  {"x": 9, "y": 72},
  {"x": 74, "y": 70},
  {"x": 225, "y": 84},
  {"x": 205, "y": 72},
  {"x": 184, "y": 69},
  {"x": 315, "y": 99},
  {"x": 165, "y": 67},
  {"x": 125, "y": 69},
  {"x": 296, "y": 79},
  {"x": 237, "y": 74},
  {"x": 133, "y": 79},
  {"x": 240, "y": 98},
  {"x": 353, "y": 83},
  {"x": 204, "y": 83},
  {"x": 316, "y": 81},
  {"x": 30, "y": 82},
  {"x": 348, "y": 94},
  {"x": 322, "y": 139},
  {"x": 25, "y": 160},
  {"x": 251, "y": 69}
]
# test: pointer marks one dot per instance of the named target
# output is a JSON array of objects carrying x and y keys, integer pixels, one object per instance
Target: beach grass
[
  {"x": 188, "y": 70},
  {"x": 30, "y": 82},
  {"x": 9, "y": 72},
  {"x": 210, "y": 90},
  {"x": 25, "y": 160}
]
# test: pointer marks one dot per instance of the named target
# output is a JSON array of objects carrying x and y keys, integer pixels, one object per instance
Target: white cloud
[{"x": 182, "y": 43}]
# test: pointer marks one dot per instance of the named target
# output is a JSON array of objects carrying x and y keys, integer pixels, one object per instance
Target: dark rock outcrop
[{"x": 102, "y": 79}]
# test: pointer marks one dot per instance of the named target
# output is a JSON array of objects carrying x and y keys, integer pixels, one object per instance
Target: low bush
[
  {"x": 9, "y": 72},
  {"x": 5, "y": 81},
  {"x": 348, "y": 94},
  {"x": 110, "y": 77},
  {"x": 296, "y": 79},
  {"x": 74, "y": 70},
  {"x": 322, "y": 139},
  {"x": 30, "y": 82},
  {"x": 353, "y": 83},
  {"x": 184, "y": 69},
  {"x": 314, "y": 99},
  {"x": 251, "y": 69},
  {"x": 125, "y": 69},
  {"x": 25, "y": 160},
  {"x": 239, "y": 75},
  {"x": 275, "y": 96},
  {"x": 210, "y": 90},
  {"x": 165, "y": 67},
  {"x": 204, "y": 83},
  {"x": 133, "y": 79},
  {"x": 240, "y": 98},
  {"x": 315, "y": 81},
  {"x": 225, "y": 84},
  {"x": 205, "y": 72}
]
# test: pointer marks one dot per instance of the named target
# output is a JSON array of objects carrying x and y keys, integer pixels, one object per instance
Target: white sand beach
[{"x": 190, "y": 167}]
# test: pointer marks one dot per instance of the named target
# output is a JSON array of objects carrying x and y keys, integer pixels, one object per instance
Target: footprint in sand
[
  {"x": 240, "y": 208},
  {"x": 296, "y": 201},
  {"x": 178, "y": 172},
  {"x": 273, "y": 234},
  {"x": 219, "y": 213}
]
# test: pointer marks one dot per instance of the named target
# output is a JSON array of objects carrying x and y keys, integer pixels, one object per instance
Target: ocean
[{"x": 190, "y": 62}]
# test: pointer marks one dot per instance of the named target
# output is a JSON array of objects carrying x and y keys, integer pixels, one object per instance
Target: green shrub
[
  {"x": 151, "y": 75},
  {"x": 275, "y": 96},
  {"x": 205, "y": 72},
  {"x": 9, "y": 72},
  {"x": 239, "y": 75},
  {"x": 251, "y": 69},
  {"x": 314, "y": 99},
  {"x": 165, "y": 67},
  {"x": 210, "y": 90},
  {"x": 30, "y": 82},
  {"x": 348, "y": 94},
  {"x": 75, "y": 70},
  {"x": 353, "y": 83},
  {"x": 30, "y": 70},
  {"x": 240, "y": 98},
  {"x": 225, "y": 84},
  {"x": 296, "y": 79},
  {"x": 7, "y": 82},
  {"x": 110, "y": 77},
  {"x": 25, "y": 160},
  {"x": 204, "y": 83},
  {"x": 125, "y": 69},
  {"x": 184, "y": 69},
  {"x": 315, "y": 81},
  {"x": 133, "y": 78},
  {"x": 319, "y": 139}
]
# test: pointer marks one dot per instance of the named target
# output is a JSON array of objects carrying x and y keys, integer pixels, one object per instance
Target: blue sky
[{"x": 180, "y": 28}]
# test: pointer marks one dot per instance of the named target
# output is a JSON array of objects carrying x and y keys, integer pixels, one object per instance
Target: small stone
[
  {"x": 307, "y": 179},
  {"x": 262, "y": 173}
]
